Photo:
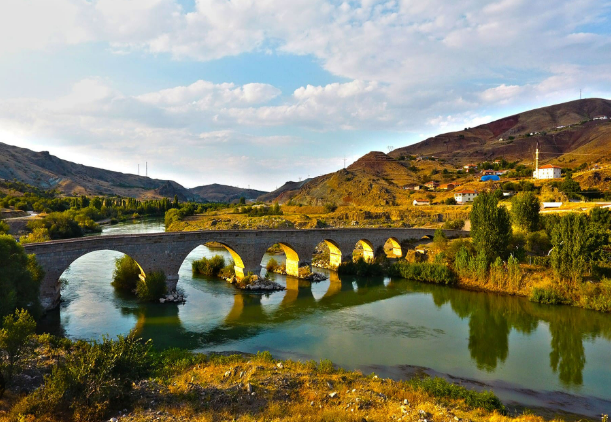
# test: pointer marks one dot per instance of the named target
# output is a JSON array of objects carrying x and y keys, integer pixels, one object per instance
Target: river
[{"x": 530, "y": 355}]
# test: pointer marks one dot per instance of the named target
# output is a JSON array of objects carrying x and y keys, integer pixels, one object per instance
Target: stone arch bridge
[{"x": 167, "y": 251}]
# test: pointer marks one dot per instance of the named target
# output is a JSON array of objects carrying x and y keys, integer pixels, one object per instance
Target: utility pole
[
  {"x": 580, "y": 93},
  {"x": 344, "y": 162},
  {"x": 138, "y": 169},
  {"x": 147, "y": 169}
]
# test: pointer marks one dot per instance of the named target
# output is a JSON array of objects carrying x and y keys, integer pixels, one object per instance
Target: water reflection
[
  {"x": 357, "y": 323},
  {"x": 492, "y": 317}
]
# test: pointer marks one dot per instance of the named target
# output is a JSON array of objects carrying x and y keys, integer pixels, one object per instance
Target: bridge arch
[
  {"x": 394, "y": 246},
  {"x": 241, "y": 264},
  {"x": 93, "y": 260},
  {"x": 368, "y": 250}
]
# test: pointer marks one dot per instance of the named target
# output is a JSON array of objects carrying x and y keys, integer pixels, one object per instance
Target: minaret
[{"x": 537, "y": 162}]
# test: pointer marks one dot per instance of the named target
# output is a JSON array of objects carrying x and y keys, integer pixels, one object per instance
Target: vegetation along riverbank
[
  {"x": 56, "y": 379},
  {"x": 552, "y": 259}
]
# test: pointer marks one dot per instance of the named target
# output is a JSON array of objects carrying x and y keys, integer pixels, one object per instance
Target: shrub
[
  {"x": 360, "y": 268},
  {"x": 4, "y": 228},
  {"x": 210, "y": 266},
  {"x": 38, "y": 235},
  {"x": 425, "y": 272},
  {"x": 152, "y": 287},
  {"x": 438, "y": 387},
  {"x": 548, "y": 296},
  {"x": 454, "y": 224},
  {"x": 16, "y": 331},
  {"x": 228, "y": 271},
  {"x": 330, "y": 208},
  {"x": 126, "y": 274},
  {"x": 95, "y": 378},
  {"x": 271, "y": 265},
  {"x": 596, "y": 296}
]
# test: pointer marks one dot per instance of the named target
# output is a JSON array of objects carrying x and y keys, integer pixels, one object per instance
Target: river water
[{"x": 531, "y": 355}]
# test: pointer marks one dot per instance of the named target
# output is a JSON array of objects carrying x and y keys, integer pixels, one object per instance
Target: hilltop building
[{"x": 469, "y": 168}]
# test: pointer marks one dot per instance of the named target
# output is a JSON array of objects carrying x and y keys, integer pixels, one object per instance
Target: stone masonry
[{"x": 167, "y": 251}]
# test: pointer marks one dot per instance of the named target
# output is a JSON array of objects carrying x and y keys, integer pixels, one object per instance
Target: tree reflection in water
[{"x": 492, "y": 317}]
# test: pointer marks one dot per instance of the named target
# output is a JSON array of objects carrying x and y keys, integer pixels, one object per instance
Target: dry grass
[{"x": 218, "y": 390}]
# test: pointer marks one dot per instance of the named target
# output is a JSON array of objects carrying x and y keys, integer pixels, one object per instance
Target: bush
[
  {"x": 360, "y": 268},
  {"x": 126, "y": 274},
  {"x": 548, "y": 296},
  {"x": 228, "y": 271},
  {"x": 16, "y": 331},
  {"x": 95, "y": 378},
  {"x": 4, "y": 228},
  {"x": 38, "y": 235},
  {"x": 454, "y": 225},
  {"x": 438, "y": 387},
  {"x": 596, "y": 296},
  {"x": 210, "y": 266},
  {"x": 152, "y": 287},
  {"x": 271, "y": 265},
  {"x": 425, "y": 272}
]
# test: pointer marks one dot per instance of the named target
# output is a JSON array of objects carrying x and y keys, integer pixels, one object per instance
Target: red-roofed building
[
  {"x": 418, "y": 202},
  {"x": 548, "y": 171},
  {"x": 465, "y": 196}
]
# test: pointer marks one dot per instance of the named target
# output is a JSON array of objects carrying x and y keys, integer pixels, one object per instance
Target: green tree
[
  {"x": 569, "y": 186},
  {"x": 126, "y": 274},
  {"x": 175, "y": 203},
  {"x": 20, "y": 277},
  {"x": 525, "y": 208},
  {"x": 242, "y": 200},
  {"x": 490, "y": 226},
  {"x": 440, "y": 239},
  {"x": 576, "y": 243},
  {"x": 16, "y": 331}
]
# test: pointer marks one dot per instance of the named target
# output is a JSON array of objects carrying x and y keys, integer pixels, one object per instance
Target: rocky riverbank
[
  {"x": 254, "y": 283},
  {"x": 183, "y": 386}
]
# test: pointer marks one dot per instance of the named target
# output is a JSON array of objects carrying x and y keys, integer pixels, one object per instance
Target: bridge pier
[{"x": 171, "y": 280}]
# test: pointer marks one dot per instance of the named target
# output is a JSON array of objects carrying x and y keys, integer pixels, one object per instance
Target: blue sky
[{"x": 258, "y": 92}]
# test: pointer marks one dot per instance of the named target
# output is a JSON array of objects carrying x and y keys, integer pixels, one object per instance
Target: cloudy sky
[{"x": 258, "y": 92}]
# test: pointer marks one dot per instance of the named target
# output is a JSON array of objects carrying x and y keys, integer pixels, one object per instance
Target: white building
[
  {"x": 418, "y": 202},
  {"x": 465, "y": 196},
  {"x": 548, "y": 171}
]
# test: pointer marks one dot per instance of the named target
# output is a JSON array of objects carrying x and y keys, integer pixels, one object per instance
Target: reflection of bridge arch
[{"x": 167, "y": 251}]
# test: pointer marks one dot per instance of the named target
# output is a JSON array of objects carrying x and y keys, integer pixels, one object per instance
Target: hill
[
  {"x": 374, "y": 179},
  {"x": 284, "y": 192},
  {"x": 223, "y": 193},
  {"x": 47, "y": 171},
  {"x": 566, "y": 134}
]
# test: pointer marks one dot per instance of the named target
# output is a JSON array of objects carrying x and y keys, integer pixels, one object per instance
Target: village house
[
  {"x": 600, "y": 118},
  {"x": 465, "y": 196},
  {"x": 432, "y": 184},
  {"x": 489, "y": 173},
  {"x": 470, "y": 168},
  {"x": 547, "y": 171},
  {"x": 412, "y": 187},
  {"x": 419, "y": 201},
  {"x": 447, "y": 186}
]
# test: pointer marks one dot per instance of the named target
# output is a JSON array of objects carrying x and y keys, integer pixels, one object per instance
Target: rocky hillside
[
  {"x": 374, "y": 179},
  {"x": 223, "y": 193},
  {"x": 566, "y": 133},
  {"x": 284, "y": 192},
  {"x": 46, "y": 171}
]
